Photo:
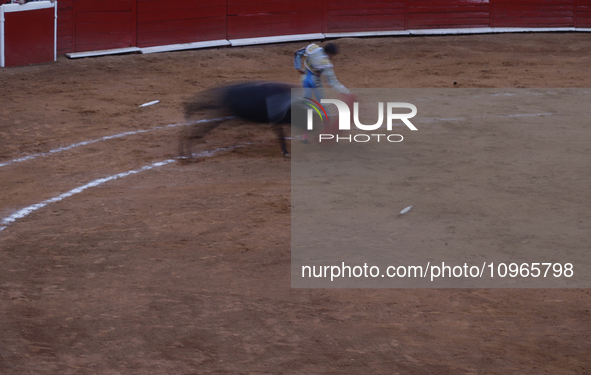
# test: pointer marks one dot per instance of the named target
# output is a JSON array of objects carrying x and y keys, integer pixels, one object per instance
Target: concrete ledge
[
  {"x": 115, "y": 51},
  {"x": 468, "y": 30},
  {"x": 275, "y": 39},
  {"x": 531, "y": 29},
  {"x": 28, "y": 6},
  {"x": 366, "y": 33},
  {"x": 185, "y": 46}
]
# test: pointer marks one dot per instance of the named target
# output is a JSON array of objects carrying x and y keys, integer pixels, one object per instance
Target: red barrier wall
[
  {"x": 161, "y": 22},
  {"x": 258, "y": 18},
  {"x": 360, "y": 15},
  {"x": 433, "y": 14},
  {"x": 29, "y": 36},
  {"x": 533, "y": 13},
  {"x": 583, "y": 13},
  {"x": 65, "y": 26},
  {"x": 103, "y": 24}
]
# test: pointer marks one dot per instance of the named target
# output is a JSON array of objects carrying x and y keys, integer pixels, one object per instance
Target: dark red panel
[
  {"x": 29, "y": 36},
  {"x": 372, "y": 8},
  {"x": 534, "y": 22},
  {"x": 376, "y": 23},
  {"x": 117, "y": 40},
  {"x": 150, "y": 39},
  {"x": 533, "y": 2},
  {"x": 65, "y": 26},
  {"x": 288, "y": 6},
  {"x": 359, "y": 15},
  {"x": 258, "y": 18},
  {"x": 533, "y": 13},
  {"x": 158, "y": 5},
  {"x": 177, "y": 25},
  {"x": 180, "y": 14},
  {"x": 100, "y": 23},
  {"x": 103, "y": 17},
  {"x": 111, "y": 27},
  {"x": 583, "y": 13},
  {"x": 426, "y": 14},
  {"x": 65, "y": 43},
  {"x": 251, "y": 2},
  {"x": 103, "y": 5},
  {"x": 274, "y": 24},
  {"x": 187, "y": 21}
]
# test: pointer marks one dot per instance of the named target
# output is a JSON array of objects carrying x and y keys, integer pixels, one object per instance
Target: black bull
[{"x": 260, "y": 102}]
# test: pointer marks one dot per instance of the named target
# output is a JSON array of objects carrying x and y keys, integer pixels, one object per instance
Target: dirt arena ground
[{"x": 185, "y": 269}]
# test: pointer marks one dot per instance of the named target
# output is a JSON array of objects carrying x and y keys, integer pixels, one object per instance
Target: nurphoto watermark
[
  {"x": 343, "y": 119},
  {"x": 441, "y": 188}
]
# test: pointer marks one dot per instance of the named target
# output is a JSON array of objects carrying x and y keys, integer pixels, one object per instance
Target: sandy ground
[{"x": 185, "y": 268}]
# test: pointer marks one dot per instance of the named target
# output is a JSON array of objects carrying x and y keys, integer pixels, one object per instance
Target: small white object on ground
[
  {"x": 405, "y": 210},
  {"x": 150, "y": 103}
]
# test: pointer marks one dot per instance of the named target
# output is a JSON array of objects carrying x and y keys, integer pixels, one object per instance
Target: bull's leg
[
  {"x": 281, "y": 137},
  {"x": 192, "y": 134}
]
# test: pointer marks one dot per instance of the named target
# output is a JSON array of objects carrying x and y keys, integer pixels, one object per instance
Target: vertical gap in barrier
[
  {"x": 1, "y": 36},
  {"x": 74, "y": 16},
  {"x": 134, "y": 5},
  {"x": 325, "y": 16},
  {"x": 490, "y": 14},
  {"x": 55, "y": 31},
  {"x": 575, "y": 13},
  {"x": 226, "y": 19},
  {"x": 406, "y": 14}
]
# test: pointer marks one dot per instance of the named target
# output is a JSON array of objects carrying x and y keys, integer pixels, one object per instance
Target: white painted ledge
[
  {"x": 275, "y": 39},
  {"x": 467, "y": 30},
  {"x": 28, "y": 6},
  {"x": 531, "y": 29},
  {"x": 366, "y": 33},
  {"x": 185, "y": 46},
  {"x": 115, "y": 51}
]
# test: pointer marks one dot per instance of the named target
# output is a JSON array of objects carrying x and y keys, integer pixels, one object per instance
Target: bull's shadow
[{"x": 259, "y": 102}]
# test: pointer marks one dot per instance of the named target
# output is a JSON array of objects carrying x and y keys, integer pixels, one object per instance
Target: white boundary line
[
  {"x": 84, "y": 143},
  {"x": 5, "y": 222}
]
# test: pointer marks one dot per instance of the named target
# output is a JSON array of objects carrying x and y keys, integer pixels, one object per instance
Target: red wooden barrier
[
  {"x": 28, "y": 36},
  {"x": 430, "y": 14},
  {"x": 360, "y": 15},
  {"x": 65, "y": 26},
  {"x": 163, "y": 22},
  {"x": 583, "y": 13},
  {"x": 533, "y": 13},
  {"x": 100, "y": 24},
  {"x": 258, "y": 18},
  {"x": 104, "y": 24}
]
